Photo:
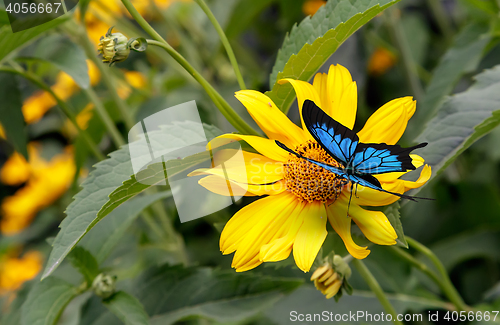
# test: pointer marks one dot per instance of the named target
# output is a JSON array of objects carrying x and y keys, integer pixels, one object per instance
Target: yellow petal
[
  {"x": 425, "y": 175},
  {"x": 254, "y": 226},
  {"x": 222, "y": 186},
  {"x": 311, "y": 235},
  {"x": 246, "y": 167},
  {"x": 270, "y": 119},
  {"x": 319, "y": 272},
  {"x": 304, "y": 90},
  {"x": 341, "y": 223},
  {"x": 374, "y": 225},
  {"x": 264, "y": 231},
  {"x": 369, "y": 197},
  {"x": 280, "y": 247},
  {"x": 417, "y": 161},
  {"x": 267, "y": 147},
  {"x": 388, "y": 123},
  {"x": 333, "y": 289},
  {"x": 343, "y": 96}
]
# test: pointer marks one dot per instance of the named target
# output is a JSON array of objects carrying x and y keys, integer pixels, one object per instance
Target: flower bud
[
  {"x": 331, "y": 277},
  {"x": 114, "y": 47},
  {"x": 104, "y": 285}
]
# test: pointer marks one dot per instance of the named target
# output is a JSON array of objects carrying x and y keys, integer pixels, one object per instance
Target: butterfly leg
[
  {"x": 350, "y": 197},
  {"x": 356, "y": 191}
]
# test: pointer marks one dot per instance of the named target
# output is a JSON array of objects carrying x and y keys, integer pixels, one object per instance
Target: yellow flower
[
  {"x": 311, "y": 6},
  {"x": 15, "y": 271},
  {"x": 39, "y": 103},
  {"x": 46, "y": 183},
  {"x": 381, "y": 61},
  {"x": 134, "y": 79},
  {"x": 294, "y": 214},
  {"x": 15, "y": 171}
]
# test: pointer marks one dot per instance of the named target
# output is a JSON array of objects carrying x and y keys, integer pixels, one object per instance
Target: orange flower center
[{"x": 309, "y": 181}]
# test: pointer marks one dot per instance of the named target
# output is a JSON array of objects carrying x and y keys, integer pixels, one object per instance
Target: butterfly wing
[
  {"x": 379, "y": 158},
  {"x": 336, "y": 139}
]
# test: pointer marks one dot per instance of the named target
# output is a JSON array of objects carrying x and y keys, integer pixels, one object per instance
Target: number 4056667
[{"x": 33, "y": 8}]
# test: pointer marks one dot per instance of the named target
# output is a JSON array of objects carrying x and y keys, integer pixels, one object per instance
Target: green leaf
[
  {"x": 315, "y": 39},
  {"x": 127, "y": 308},
  {"x": 462, "y": 120},
  {"x": 66, "y": 56},
  {"x": 392, "y": 213},
  {"x": 466, "y": 246},
  {"x": 84, "y": 262},
  {"x": 155, "y": 174},
  {"x": 462, "y": 57},
  {"x": 46, "y": 301},
  {"x": 11, "y": 116},
  {"x": 13, "y": 315},
  {"x": 243, "y": 15},
  {"x": 10, "y": 42},
  {"x": 108, "y": 175},
  {"x": 171, "y": 293},
  {"x": 101, "y": 239}
]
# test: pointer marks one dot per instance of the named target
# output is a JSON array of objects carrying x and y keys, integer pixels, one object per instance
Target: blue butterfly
[{"x": 359, "y": 161}]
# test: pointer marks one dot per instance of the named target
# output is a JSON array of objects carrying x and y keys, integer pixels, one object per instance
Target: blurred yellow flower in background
[
  {"x": 133, "y": 78},
  {"x": 310, "y": 7},
  {"x": 15, "y": 271},
  {"x": 46, "y": 181},
  {"x": 35, "y": 106},
  {"x": 381, "y": 61}
]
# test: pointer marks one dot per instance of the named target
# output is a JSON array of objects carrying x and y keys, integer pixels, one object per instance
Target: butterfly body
[{"x": 359, "y": 161}]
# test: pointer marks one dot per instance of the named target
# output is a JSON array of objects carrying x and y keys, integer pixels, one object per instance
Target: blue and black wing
[
  {"x": 336, "y": 139},
  {"x": 379, "y": 158}
]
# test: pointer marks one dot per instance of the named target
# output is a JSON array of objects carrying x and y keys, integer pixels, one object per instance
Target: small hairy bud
[{"x": 114, "y": 47}]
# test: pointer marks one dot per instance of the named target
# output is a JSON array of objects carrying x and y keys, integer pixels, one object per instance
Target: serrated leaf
[
  {"x": 462, "y": 120},
  {"x": 46, "y": 301},
  {"x": 85, "y": 263},
  {"x": 107, "y": 176},
  {"x": 101, "y": 239},
  {"x": 173, "y": 293},
  {"x": 315, "y": 39},
  {"x": 11, "y": 116},
  {"x": 392, "y": 213},
  {"x": 462, "y": 57},
  {"x": 66, "y": 56},
  {"x": 10, "y": 42},
  {"x": 127, "y": 308},
  {"x": 155, "y": 174}
]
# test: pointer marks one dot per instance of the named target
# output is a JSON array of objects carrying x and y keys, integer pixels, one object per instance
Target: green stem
[
  {"x": 218, "y": 100},
  {"x": 118, "y": 140},
  {"x": 447, "y": 285},
  {"x": 107, "y": 79},
  {"x": 376, "y": 288},
  {"x": 224, "y": 41},
  {"x": 409, "y": 66},
  {"x": 62, "y": 105}
]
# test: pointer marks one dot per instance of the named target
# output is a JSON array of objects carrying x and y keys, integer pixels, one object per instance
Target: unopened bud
[
  {"x": 113, "y": 47},
  {"x": 331, "y": 277},
  {"x": 104, "y": 285}
]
